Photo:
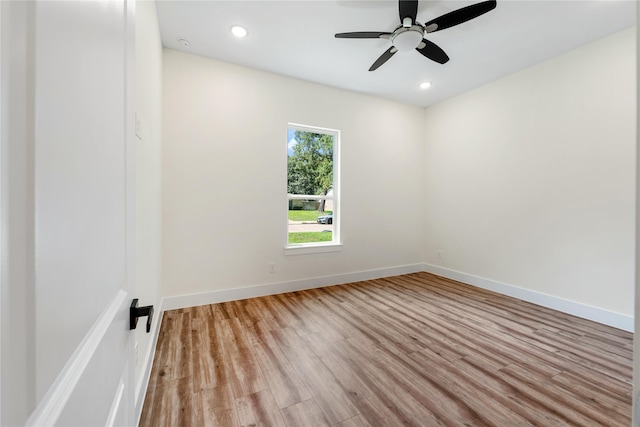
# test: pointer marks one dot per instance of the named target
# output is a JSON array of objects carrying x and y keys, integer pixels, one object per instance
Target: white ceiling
[{"x": 296, "y": 38}]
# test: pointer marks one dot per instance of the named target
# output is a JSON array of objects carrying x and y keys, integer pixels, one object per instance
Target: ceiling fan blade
[
  {"x": 362, "y": 35},
  {"x": 459, "y": 16},
  {"x": 432, "y": 51},
  {"x": 383, "y": 58},
  {"x": 408, "y": 9}
]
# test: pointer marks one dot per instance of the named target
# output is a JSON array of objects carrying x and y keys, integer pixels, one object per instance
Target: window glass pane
[
  {"x": 310, "y": 185},
  {"x": 309, "y": 163},
  {"x": 310, "y": 226}
]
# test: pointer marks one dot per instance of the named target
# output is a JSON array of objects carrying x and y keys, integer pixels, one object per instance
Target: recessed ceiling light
[
  {"x": 425, "y": 85},
  {"x": 239, "y": 31}
]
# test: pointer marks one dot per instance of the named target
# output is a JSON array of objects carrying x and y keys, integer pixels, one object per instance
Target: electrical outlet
[
  {"x": 439, "y": 253},
  {"x": 273, "y": 268}
]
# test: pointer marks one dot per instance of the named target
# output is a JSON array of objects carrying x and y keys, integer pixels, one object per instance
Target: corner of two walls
[{"x": 529, "y": 182}]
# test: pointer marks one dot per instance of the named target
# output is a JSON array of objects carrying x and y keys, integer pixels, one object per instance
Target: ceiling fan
[{"x": 410, "y": 34}]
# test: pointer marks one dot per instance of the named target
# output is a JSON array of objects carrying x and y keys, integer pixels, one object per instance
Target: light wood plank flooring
[{"x": 415, "y": 350}]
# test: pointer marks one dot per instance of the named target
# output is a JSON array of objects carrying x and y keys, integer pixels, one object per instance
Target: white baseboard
[
  {"x": 147, "y": 363},
  {"x": 213, "y": 297},
  {"x": 584, "y": 311}
]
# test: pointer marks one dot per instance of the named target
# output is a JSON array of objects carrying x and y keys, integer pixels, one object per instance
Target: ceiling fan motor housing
[{"x": 405, "y": 39}]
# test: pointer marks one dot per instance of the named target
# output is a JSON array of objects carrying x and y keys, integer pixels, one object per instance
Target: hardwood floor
[{"x": 416, "y": 350}]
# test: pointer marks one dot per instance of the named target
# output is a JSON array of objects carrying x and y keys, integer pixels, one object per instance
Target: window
[{"x": 312, "y": 189}]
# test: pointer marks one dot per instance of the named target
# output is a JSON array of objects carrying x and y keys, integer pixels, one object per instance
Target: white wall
[
  {"x": 224, "y": 172},
  {"x": 148, "y": 173},
  {"x": 529, "y": 180}
]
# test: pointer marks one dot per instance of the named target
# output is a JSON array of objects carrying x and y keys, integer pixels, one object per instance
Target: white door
[{"x": 67, "y": 212}]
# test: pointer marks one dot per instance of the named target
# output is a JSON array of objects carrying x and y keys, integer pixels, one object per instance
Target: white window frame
[{"x": 336, "y": 243}]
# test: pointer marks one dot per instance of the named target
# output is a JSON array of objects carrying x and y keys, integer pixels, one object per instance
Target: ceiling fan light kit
[
  {"x": 405, "y": 39},
  {"x": 411, "y": 34}
]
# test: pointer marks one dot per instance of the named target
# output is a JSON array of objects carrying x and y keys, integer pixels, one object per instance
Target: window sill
[{"x": 312, "y": 249}]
